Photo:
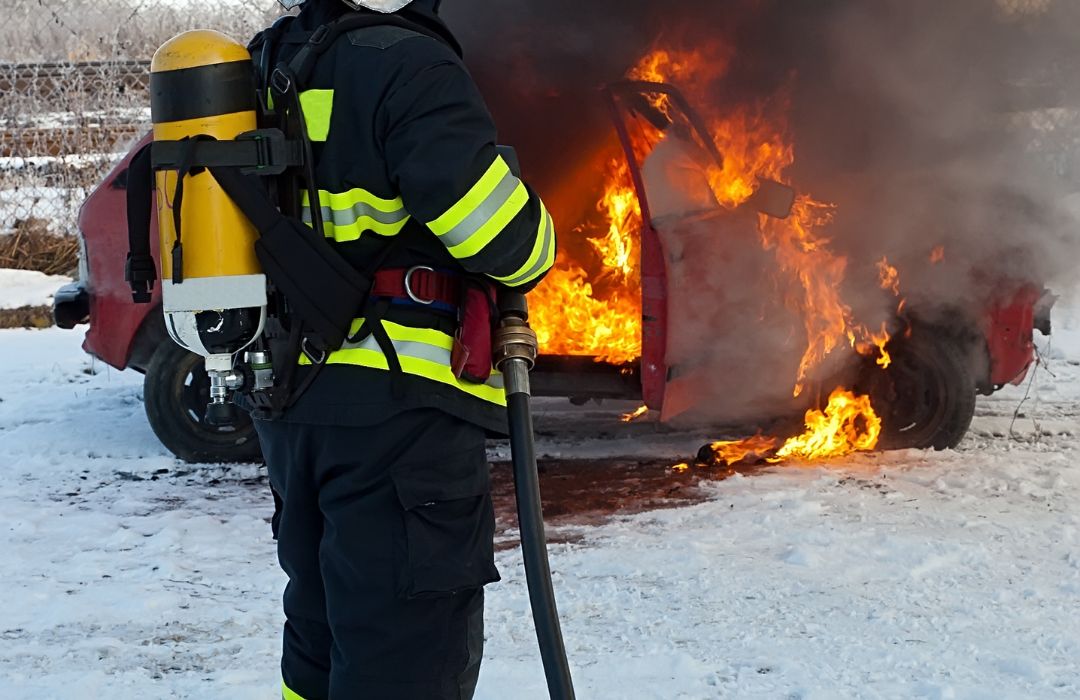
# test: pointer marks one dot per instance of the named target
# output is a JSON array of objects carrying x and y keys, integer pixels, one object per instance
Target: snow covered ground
[
  {"x": 28, "y": 288},
  {"x": 939, "y": 575}
]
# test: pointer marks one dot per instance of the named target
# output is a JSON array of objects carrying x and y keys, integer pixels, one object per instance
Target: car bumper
[{"x": 71, "y": 305}]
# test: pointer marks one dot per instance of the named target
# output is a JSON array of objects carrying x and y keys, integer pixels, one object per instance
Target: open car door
[{"x": 689, "y": 246}]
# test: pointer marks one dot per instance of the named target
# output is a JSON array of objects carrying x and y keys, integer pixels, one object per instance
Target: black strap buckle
[
  {"x": 319, "y": 35},
  {"x": 317, "y": 356},
  {"x": 140, "y": 272},
  {"x": 280, "y": 81},
  {"x": 273, "y": 152}
]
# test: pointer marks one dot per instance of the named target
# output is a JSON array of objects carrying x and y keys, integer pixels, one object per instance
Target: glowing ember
[{"x": 937, "y": 255}]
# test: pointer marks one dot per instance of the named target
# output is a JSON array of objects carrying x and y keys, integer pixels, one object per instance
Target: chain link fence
[{"x": 73, "y": 93}]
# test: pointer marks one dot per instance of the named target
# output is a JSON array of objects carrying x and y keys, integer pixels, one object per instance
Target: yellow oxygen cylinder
[{"x": 202, "y": 84}]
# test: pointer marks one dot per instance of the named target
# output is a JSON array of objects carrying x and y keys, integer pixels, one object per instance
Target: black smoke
[{"x": 929, "y": 123}]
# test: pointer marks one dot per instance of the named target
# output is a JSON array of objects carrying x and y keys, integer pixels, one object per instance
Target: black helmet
[{"x": 384, "y": 6}]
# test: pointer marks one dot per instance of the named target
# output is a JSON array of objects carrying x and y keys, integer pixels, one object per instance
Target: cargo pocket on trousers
[{"x": 449, "y": 526}]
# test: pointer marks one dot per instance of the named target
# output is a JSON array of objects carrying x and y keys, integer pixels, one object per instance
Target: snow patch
[{"x": 28, "y": 288}]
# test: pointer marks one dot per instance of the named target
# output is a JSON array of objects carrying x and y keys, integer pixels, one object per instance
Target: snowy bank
[{"x": 20, "y": 288}]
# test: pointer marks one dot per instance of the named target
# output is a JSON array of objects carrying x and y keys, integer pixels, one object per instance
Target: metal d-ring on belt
[
  {"x": 408, "y": 284},
  {"x": 420, "y": 284}
]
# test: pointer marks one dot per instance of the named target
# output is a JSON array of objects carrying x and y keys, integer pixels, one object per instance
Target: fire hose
[{"x": 515, "y": 356}]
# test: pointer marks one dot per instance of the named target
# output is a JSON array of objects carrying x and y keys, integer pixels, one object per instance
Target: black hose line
[
  {"x": 515, "y": 353},
  {"x": 534, "y": 550}
]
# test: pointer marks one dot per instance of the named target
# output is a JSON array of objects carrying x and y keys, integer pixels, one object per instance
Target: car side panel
[{"x": 115, "y": 319}]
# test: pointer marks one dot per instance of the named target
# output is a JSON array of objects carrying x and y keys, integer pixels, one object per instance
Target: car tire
[
  {"x": 176, "y": 390},
  {"x": 926, "y": 397}
]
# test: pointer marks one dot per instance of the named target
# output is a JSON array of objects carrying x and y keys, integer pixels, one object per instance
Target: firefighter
[{"x": 385, "y": 524}]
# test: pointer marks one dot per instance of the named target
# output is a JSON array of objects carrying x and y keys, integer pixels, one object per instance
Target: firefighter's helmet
[{"x": 385, "y": 6}]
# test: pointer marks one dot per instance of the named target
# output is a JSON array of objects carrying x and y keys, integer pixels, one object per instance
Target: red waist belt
[
  {"x": 420, "y": 284},
  {"x": 471, "y": 355}
]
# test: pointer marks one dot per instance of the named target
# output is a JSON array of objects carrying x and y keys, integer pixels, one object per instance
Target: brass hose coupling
[{"x": 515, "y": 340}]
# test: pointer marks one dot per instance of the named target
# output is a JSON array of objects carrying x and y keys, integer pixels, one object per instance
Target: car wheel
[
  {"x": 176, "y": 391},
  {"x": 926, "y": 397}
]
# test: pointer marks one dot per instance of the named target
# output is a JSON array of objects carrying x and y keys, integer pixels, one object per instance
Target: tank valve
[{"x": 224, "y": 380}]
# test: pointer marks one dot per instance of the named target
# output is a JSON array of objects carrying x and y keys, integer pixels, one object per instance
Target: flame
[
  {"x": 937, "y": 255},
  {"x": 754, "y": 144},
  {"x": 735, "y": 451},
  {"x": 889, "y": 275},
  {"x": 593, "y": 306},
  {"x": 618, "y": 249},
  {"x": 693, "y": 67},
  {"x": 880, "y": 341},
  {"x": 847, "y": 424},
  {"x": 575, "y": 312},
  {"x": 630, "y": 417}
]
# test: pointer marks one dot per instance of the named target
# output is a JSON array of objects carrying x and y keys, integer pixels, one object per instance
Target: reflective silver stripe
[
  {"x": 483, "y": 213},
  {"x": 347, "y": 217},
  {"x": 542, "y": 261},
  {"x": 419, "y": 351}
]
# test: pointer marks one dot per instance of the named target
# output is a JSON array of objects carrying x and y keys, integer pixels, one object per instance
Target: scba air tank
[{"x": 213, "y": 290}]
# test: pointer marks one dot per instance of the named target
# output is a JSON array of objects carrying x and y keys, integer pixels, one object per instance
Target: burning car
[
  {"x": 691, "y": 275},
  {"x": 665, "y": 248}
]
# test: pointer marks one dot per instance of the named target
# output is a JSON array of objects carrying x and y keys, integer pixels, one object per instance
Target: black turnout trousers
[{"x": 386, "y": 534}]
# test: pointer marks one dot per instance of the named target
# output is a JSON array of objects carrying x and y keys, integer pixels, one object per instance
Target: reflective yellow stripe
[
  {"x": 345, "y": 200},
  {"x": 317, "y": 106},
  {"x": 422, "y": 352},
  {"x": 288, "y": 694},
  {"x": 542, "y": 257},
  {"x": 355, "y": 230},
  {"x": 476, "y": 196},
  {"x": 348, "y": 215},
  {"x": 474, "y": 221}
]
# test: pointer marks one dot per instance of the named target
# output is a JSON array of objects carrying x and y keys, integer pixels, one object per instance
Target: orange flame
[
  {"x": 571, "y": 314},
  {"x": 847, "y": 424},
  {"x": 937, "y": 255},
  {"x": 593, "y": 307},
  {"x": 890, "y": 276},
  {"x": 880, "y": 341},
  {"x": 732, "y": 452},
  {"x": 630, "y": 417}
]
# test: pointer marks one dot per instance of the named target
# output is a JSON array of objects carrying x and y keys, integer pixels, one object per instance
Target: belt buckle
[
  {"x": 408, "y": 284},
  {"x": 317, "y": 357},
  {"x": 280, "y": 81}
]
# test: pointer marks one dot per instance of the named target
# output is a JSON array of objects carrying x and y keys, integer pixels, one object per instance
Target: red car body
[{"x": 124, "y": 334}]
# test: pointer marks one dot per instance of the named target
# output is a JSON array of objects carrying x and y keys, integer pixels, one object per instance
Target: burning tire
[
  {"x": 176, "y": 390},
  {"x": 926, "y": 398}
]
